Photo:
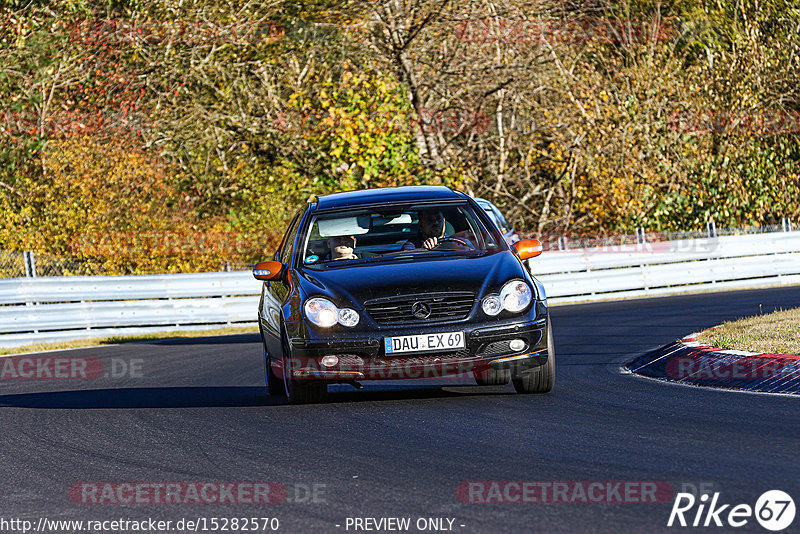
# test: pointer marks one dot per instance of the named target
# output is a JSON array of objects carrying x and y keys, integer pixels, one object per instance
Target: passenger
[
  {"x": 431, "y": 230},
  {"x": 342, "y": 247}
]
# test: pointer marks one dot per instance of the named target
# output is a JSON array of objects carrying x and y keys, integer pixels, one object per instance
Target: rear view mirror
[
  {"x": 527, "y": 248},
  {"x": 267, "y": 270}
]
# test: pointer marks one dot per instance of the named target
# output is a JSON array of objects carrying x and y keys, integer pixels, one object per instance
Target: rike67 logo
[{"x": 774, "y": 510}]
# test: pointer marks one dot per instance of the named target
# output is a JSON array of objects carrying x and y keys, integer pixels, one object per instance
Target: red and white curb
[{"x": 689, "y": 361}]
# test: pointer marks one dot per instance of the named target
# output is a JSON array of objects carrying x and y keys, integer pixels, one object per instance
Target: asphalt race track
[{"x": 195, "y": 410}]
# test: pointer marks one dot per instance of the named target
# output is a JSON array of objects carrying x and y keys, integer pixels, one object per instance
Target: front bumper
[{"x": 362, "y": 356}]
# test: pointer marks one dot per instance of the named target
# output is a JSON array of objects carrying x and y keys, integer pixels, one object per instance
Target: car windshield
[{"x": 386, "y": 233}]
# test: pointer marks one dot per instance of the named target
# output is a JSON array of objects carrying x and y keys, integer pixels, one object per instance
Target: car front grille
[{"x": 443, "y": 307}]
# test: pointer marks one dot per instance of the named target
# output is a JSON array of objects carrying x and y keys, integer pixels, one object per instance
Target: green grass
[
  {"x": 115, "y": 340},
  {"x": 774, "y": 333}
]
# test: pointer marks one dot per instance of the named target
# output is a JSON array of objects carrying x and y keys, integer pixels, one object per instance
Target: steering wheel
[{"x": 458, "y": 240}]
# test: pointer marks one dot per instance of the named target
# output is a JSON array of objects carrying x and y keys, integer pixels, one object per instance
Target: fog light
[
  {"x": 516, "y": 345},
  {"x": 329, "y": 360}
]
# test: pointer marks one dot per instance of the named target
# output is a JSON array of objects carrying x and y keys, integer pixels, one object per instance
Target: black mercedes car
[{"x": 397, "y": 283}]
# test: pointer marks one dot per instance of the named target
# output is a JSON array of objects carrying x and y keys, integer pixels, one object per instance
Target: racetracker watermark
[
  {"x": 64, "y": 122},
  {"x": 715, "y": 365},
  {"x": 174, "y": 33},
  {"x": 194, "y": 524},
  {"x": 764, "y": 122},
  {"x": 68, "y": 368},
  {"x": 625, "y": 244},
  {"x": 208, "y": 493},
  {"x": 165, "y": 244},
  {"x": 447, "y": 121},
  {"x": 594, "y": 30},
  {"x": 391, "y": 368},
  {"x": 566, "y": 492}
]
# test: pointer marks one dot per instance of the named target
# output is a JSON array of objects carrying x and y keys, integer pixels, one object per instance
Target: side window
[
  {"x": 288, "y": 241},
  {"x": 285, "y": 251},
  {"x": 503, "y": 222}
]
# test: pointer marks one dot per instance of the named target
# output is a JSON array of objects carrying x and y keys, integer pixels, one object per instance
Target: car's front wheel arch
[
  {"x": 541, "y": 379},
  {"x": 299, "y": 391}
]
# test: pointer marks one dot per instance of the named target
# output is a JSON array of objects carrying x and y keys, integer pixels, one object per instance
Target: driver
[
  {"x": 341, "y": 247},
  {"x": 431, "y": 230}
]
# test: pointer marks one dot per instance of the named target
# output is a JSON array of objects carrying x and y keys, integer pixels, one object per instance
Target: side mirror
[
  {"x": 527, "y": 248},
  {"x": 267, "y": 270}
]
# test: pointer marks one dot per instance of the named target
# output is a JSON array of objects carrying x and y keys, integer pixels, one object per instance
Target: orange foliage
[{"x": 114, "y": 206}]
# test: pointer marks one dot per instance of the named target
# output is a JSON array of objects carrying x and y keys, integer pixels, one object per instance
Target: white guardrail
[
  {"x": 670, "y": 267},
  {"x": 39, "y": 310}
]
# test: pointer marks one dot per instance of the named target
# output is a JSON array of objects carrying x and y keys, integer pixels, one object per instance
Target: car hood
[{"x": 352, "y": 285}]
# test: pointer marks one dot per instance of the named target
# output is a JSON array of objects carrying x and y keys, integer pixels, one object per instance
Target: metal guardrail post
[
  {"x": 712, "y": 229},
  {"x": 787, "y": 224},
  {"x": 30, "y": 264}
]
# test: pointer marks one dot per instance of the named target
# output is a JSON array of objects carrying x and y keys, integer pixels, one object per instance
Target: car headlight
[
  {"x": 492, "y": 305},
  {"x": 324, "y": 313},
  {"x": 348, "y": 317},
  {"x": 514, "y": 297}
]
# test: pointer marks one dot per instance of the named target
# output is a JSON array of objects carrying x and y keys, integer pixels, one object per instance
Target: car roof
[{"x": 388, "y": 195}]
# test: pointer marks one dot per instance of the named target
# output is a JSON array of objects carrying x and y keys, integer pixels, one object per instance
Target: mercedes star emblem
[{"x": 421, "y": 310}]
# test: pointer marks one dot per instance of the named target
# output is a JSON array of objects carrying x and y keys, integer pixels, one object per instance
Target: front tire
[
  {"x": 543, "y": 378},
  {"x": 299, "y": 391},
  {"x": 275, "y": 385}
]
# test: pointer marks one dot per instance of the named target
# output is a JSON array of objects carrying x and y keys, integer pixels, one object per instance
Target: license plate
[{"x": 424, "y": 342}]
